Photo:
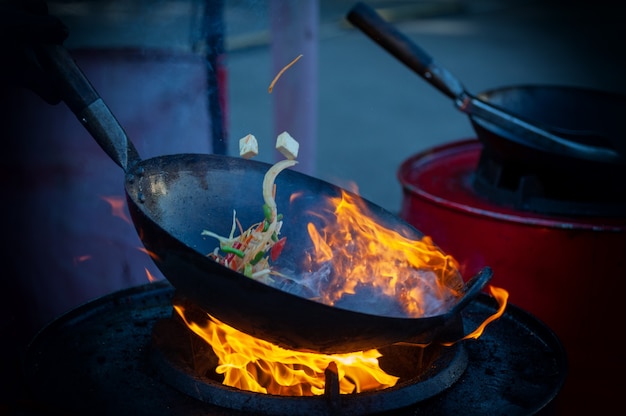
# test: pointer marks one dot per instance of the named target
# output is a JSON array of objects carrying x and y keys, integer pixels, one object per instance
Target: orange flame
[
  {"x": 80, "y": 259},
  {"x": 415, "y": 274},
  {"x": 117, "y": 206},
  {"x": 256, "y": 365},
  {"x": 501, "y": 296},
  {"x": 152, "y": 254},
  {"x": 363, "y": 254},
  {"x": 150, "y": 276}
]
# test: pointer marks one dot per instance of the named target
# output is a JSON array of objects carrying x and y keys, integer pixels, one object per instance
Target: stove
[
  {"x": 117, "y": 355},
  {"x": 565, "y": 269}
]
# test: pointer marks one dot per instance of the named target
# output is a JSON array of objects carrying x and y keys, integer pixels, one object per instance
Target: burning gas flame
[
  {"x": 152, "y": 254},
  {"x": 256, "y": 365},
  {"x": 150, "y": 276},
  {"x": 117, "y": 204},
  {"x": 355, "y": 252},
  {"x": 501, "y": 296},
  {"x": 364, "y": 254},
  {"x": 83, "y": 258}
]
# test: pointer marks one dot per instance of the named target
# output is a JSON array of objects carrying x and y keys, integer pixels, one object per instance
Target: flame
[
  {"x": 150, "y": 276},
  {"x": 355, "y": 253},
  {"x": 152, "y": 254},
  {"x": 364, "y": 254},
  {"x": 80, "y": 259},
  {"x": 117, "y": 207},
  {"x": 501, "y": 296},
  {"x": 256, "y": 365}
]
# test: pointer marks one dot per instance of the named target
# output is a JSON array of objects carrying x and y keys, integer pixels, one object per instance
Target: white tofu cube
[
  {"x": 287, "y": 145},
  {"x": 248, "y": 146}
]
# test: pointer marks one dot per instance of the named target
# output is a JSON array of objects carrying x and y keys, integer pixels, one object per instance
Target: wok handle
[
  {"x": 472, "y": 288},
  {"x": 404, "y": 49},
  {"x": 87, "y": 105}
]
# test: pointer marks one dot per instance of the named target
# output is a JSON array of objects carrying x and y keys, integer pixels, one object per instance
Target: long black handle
[
  {"x": 399, "y": 45},
  {"x": 85, "y": 102}
]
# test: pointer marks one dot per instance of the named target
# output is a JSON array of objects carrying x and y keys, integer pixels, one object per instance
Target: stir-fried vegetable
[{"x": 251, "y": 250}]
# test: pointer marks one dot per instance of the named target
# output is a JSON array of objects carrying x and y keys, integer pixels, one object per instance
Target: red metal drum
[{"x": 570, "y": 272}]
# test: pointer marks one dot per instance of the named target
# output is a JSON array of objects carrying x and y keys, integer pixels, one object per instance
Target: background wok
[
  {"x": 173, "y": 198},
  {"x": 570, "y": 108}
]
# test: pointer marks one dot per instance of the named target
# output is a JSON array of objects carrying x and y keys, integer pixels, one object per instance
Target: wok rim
[{"x": 490, "y": 134}]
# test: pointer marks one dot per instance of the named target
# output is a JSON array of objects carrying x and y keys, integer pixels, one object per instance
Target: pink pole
[{"x": 294, "y": 26}]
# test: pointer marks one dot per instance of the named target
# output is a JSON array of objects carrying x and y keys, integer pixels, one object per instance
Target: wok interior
[{"x": 186, "y": 194}]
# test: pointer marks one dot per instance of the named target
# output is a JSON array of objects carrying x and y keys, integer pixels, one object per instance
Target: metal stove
[{"x": 104, "y": 358}]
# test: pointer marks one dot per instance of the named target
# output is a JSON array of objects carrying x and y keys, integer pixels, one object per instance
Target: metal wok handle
[
  {"x": 85, "y": 102},
  {"x": 400, "y": 46},
  {"x": 472, "y": 288}
]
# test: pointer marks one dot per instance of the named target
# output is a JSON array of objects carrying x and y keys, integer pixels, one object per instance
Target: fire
[
  {"x": 118, "y": 205},
  {"x": 351, "y": 253},
  {"x": 256, "y": 365},
  {"x": 501, "y": 296},
  {"x": 80, "y": 259},
  {"x": 150, "y": 276},
  {"x": 363, "y": 254},
  {"x": 152, "y": 254}
]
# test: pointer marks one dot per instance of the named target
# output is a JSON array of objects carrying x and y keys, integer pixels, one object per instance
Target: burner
[
  {"x": 549, "y": 188},
  {"x": 187, "y": 363},
  {"x": 99, "y": 359}
]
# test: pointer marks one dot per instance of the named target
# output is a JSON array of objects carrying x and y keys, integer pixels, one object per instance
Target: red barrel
[{"x": 570, "y": 272}]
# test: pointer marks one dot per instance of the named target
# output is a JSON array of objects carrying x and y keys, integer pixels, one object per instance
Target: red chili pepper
[{"x": 277, "y": 248}]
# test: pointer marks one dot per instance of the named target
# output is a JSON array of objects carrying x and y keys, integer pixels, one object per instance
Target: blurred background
[{"x": 193, "y": 76}]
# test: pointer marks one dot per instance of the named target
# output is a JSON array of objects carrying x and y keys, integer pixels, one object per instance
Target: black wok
[
  {"x": 586, "y": 111},
  {"x": 173, "y": 198}
]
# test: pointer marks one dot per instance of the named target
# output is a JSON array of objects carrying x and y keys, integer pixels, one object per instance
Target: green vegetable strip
[
  {"x": 236, "y": 252},
  {"x": 247, "y": 271},
  {"x": 257, "y": 257},
  {"x": 267, "y": 212},
  {"x": 254, "y": 253}
]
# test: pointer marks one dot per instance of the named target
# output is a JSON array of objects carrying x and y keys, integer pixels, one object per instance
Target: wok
[
  {"x": 563, "y": 176},
  {"x": 173, "y": 198},
  {"x": 546, "y": 126}
]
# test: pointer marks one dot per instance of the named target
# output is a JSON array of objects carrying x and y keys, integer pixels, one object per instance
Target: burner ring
[
  {"x": 441, "y": 370},
  {"x": 96, "y": 360}
]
